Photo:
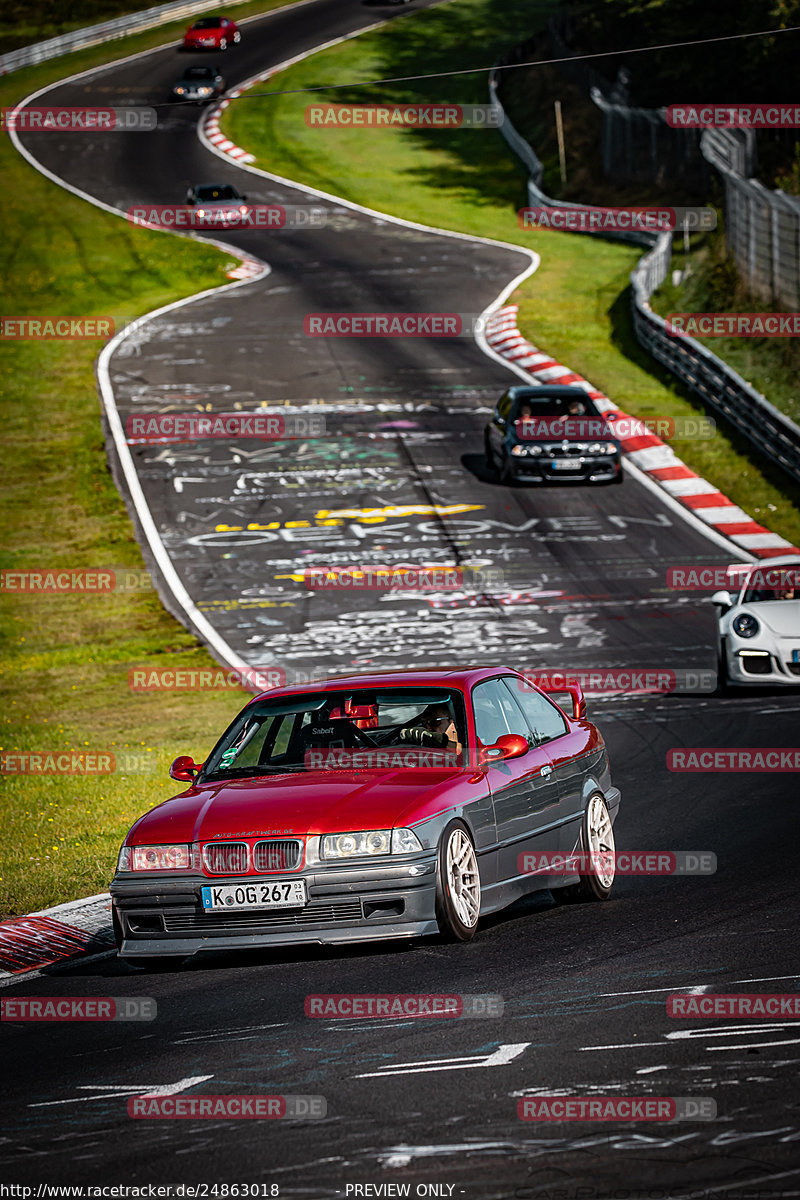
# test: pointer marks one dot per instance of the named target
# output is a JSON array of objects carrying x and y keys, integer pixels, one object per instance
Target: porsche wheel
[{"x": 458, "y": 884}]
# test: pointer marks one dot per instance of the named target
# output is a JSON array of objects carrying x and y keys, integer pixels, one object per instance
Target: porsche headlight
[
  {"x": 369, "y": 843},
  {"x": 155, "y": 858},
  {"x": 746, "y": 625}
]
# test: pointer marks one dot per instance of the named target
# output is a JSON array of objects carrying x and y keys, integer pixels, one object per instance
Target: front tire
[{"x": 458, "y": 884}]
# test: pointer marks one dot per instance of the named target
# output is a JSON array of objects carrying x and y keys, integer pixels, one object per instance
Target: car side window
[
  {"x": 543, "y": 717},
  {"x": 496, "y": 714}
]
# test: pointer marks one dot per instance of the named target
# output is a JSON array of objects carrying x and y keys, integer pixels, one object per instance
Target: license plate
[
  {"x": 267, "y": 893},
  {"x": 565, "y": 464},
  {"x": 796, "y": 656}
]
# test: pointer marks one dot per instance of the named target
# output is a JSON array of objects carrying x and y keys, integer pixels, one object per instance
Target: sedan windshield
[
  {"x": 531, "y": 407},
  {"x": 208, "y": 23},
  {"x": 278, "y": 735},
  {"x": 199, "y": 73},
  {"x": 216, "y": 192}
]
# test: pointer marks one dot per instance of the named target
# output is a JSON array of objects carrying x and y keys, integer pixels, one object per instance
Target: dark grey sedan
[
  {"x": 199, "y": 85},
  {"x": 551, "y": 434}
]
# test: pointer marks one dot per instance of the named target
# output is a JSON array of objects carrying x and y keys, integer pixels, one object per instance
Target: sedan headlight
[
  {"x": 179, "y": 91},
  {"x": 204, "y": 91},
  {"x": 369, "y": 843},
  {"x": 155, "y": 858},
  {"x": 519, "y": 450},
  {"x": 746, "y": 625},
  {"x": 601, "y": 448}
]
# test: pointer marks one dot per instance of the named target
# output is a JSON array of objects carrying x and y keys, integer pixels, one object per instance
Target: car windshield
[
  {"x": 772, "y": 583},
  {"x": 531, "y": 407},
  {"x": 216, "y": 192},
  {"x": 199, "y": 73},
  {"x": 273, "y": 736},
  {"x": 208, "y": 23}
]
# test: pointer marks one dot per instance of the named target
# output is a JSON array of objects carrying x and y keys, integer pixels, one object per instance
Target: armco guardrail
[
  {"x": 106, "y": 31},
  {"x": 717, "y": 384},
  {"x": 714, "y": 381}
]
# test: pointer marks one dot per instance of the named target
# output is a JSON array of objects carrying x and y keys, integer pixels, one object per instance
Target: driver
[{"x": 434, "y": 727}]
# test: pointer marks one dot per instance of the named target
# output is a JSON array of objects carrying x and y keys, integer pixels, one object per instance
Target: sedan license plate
[
  {"x": 565, "y": 464},
  {"x": 796, "y": 656},
  {"x": 266, "y": 893}
]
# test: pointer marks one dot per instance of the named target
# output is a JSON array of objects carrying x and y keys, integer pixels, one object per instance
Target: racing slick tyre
[
  {"x": 458, "y": 884},
  {"x": 723, "y": 680},
  {"x": 596, "y": 840}
]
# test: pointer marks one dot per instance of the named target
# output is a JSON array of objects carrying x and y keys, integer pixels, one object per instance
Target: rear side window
[{"x": 545, "y": 720}]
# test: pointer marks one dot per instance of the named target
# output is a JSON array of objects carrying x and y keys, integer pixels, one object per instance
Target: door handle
[{"x": 546, "y": 771}]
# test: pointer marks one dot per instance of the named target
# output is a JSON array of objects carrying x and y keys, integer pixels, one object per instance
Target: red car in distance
[
  {"x": 390, "y": 805},
  {"x": 212, "y": 33}
]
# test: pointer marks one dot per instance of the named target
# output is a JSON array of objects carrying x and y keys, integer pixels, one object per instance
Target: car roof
[
  {"x": 462, "y": 678},
  {"x": 547, "y": 390}
]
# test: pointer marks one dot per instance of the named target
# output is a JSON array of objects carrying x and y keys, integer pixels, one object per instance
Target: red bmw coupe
[
  {"x": 391, "y": 805},
  {"x": 212, "y": 33}
]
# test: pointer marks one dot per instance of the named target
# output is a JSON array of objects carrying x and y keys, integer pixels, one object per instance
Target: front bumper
[
  {"x": 755, "y": 666},
  {"x": 583, "y": 469},
  {"x": 165, "y": 915}
]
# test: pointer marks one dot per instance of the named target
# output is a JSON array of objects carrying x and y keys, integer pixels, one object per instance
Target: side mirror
[
  {"x": 244, "y": 197},
  {"x": 184, "y": 769},
  {"x": 190, "y": 197},
  {"x": 723, "y": 599},
  {"x": 510, "y": 745},
  {"x": 610, "y": 415}
]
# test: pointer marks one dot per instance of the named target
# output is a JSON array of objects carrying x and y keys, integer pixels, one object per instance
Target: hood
[
  {"x": 312, "y": 802},
  {"x": 782, "y": 617}
]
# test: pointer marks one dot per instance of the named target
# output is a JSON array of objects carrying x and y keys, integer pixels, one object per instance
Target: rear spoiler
[{"x": 575, "y": 690}]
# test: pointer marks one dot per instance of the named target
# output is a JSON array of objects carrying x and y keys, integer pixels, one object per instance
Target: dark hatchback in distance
[{"x": 551, "y": 434}]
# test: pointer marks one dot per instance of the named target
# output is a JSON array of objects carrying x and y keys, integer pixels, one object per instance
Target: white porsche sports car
[{"x": 759, "y": 624}]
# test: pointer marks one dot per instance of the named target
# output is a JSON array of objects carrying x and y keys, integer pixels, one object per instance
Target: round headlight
[
  {"x": 378, "y": 843},
  {"x": 346, "y": 844},
  {"x": 746, "y": 625}
]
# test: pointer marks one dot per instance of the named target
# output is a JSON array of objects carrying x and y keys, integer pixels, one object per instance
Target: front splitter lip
[{"x": 184, "y": 947}]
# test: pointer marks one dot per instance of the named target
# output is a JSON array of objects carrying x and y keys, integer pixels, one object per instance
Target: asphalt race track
[{"x": 401, "y": 476}]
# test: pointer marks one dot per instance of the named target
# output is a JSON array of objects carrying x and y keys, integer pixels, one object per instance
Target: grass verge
[
  {"x": 63, "y": 673},
  {"x": 577, "y": 305}
]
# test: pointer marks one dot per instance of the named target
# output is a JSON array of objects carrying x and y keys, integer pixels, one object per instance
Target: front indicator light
[
  {"x": 405, "y": 841},
  {"x": 155, "y": 858},
  {"x": 746, "y": 625}
]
